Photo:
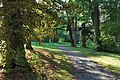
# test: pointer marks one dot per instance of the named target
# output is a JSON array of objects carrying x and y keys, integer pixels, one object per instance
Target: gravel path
[{"x": 85, "y": 68}]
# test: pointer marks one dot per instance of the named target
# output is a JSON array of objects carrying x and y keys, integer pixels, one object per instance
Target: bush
[
  {"x": 110, "y": 40},
  {"x": 109, "y": 45}
]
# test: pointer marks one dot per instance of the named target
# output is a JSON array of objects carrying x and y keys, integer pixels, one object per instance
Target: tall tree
[
  {"x": 75, "y": 32},
  {"x": 72, "y": 10},
  {"x": 18, "y": 17},
  {"x": 13, "y": 23},
  {"x": 83, "y": 33},
  {"x": 96, "y": 21}
]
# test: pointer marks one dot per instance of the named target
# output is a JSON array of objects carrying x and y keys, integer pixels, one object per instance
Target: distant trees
[
  {"x": 72, "y": 10},
  {"x": 100, "y": 13}
]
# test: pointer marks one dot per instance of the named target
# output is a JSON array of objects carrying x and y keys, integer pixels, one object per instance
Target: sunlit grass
[
  {"x": 111, "y": 61},
  {"x": 50, "y": 55}
]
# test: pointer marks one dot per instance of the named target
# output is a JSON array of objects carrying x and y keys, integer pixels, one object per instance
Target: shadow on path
[{"x": 86, "y": 69}]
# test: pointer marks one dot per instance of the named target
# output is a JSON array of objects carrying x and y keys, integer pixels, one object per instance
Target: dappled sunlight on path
[{"x": 85, "y": 68}]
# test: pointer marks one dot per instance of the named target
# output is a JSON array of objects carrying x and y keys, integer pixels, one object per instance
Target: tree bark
[
  {"x": 28, "y": 44},
  {"x": 75, "y": 35},
  {"x": 83, "y": 33},
  {"x": 70, "y": 32},
  {"x": 83, "y": 40},
  {"x": 96, "y": 22},
  {"x": 15, "y": 54}
]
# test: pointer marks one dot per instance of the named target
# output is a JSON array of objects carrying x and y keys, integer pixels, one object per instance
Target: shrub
[{"x": 110, "y": 39}]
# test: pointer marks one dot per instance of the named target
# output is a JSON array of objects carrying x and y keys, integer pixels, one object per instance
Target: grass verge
[{"x": 111, "y": 61}]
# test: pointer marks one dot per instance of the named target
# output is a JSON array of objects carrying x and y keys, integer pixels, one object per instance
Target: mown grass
[
  {"x": 111, "y": 61},
  {"x": 53, "y": 63}
]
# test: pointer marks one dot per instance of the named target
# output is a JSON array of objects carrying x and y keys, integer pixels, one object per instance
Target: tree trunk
[
  {"x": 75, "y": 34},
  {"x": 83, "y": 40},
  {"x": 70, "y": 32},
  {"x": 83, "y": 33},
  {"x": 28, "y": 44},
  {"x": 15, "y": 54},
  {"x": 96, "y": 22},
  {"x": 56, "y": 38}
]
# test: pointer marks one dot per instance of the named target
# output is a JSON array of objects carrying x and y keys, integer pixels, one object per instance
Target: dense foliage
[
  {"x": 110, "y": 39},
  {"x": 19, "y": 21}
]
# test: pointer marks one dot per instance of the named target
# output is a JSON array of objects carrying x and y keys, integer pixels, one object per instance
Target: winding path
[{"x": 85, "y": 68}]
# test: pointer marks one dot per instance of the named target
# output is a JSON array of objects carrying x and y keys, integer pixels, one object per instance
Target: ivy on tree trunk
[{"x": 15, "y": 54}]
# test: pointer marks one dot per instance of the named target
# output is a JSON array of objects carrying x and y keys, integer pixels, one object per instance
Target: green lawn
[
  {"x": 111, "y": 61},
  {"x": 55, "y": 64}
]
